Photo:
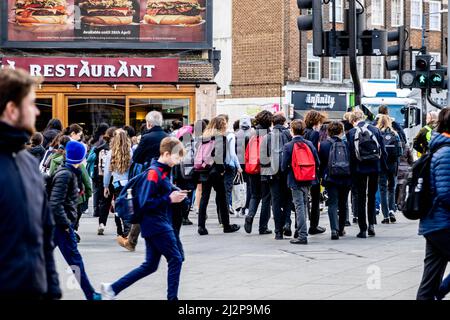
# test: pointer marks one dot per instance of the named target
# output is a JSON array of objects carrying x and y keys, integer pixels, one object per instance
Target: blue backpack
[{"x": 127, "y": 204}]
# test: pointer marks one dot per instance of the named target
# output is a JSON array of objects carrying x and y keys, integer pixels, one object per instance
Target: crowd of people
[{"x": 283, "y": 168}]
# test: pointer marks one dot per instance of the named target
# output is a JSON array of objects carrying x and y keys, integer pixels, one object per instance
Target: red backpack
[
  {"x": 252, "y": 157},
  {"x": 303, "y": 163}
]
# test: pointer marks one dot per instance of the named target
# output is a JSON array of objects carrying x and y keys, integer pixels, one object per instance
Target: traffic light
[
  {"x": 313, "y": 22},
  {"x": 396, "y": 50},
  {"x": 423, "y": 64}
]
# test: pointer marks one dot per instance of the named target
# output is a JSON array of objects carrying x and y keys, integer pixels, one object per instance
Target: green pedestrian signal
[{"x": 422, "y": 80}]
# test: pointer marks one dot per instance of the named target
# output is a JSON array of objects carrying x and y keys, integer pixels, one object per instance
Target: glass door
[
  {"x": 45, "y": 106},
  {"x": 89, "y": 112},
  {"x": 171, "y": 109}
]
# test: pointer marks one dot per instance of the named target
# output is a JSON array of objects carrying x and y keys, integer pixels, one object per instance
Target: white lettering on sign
[
  {"x": 87, "y": 70},
  {"x": 320, "y": 102}
]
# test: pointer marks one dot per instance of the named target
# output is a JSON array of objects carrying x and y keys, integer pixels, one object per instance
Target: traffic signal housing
[
  {"x": 307, "y": 22},
  {"x": 423, "y": 65},
  {"x": 396, "y": 50}
]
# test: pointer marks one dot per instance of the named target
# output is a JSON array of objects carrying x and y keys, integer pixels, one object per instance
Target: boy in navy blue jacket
[
  {"x": 155, "y": 198},
  {"x": 300, "y": 190}
]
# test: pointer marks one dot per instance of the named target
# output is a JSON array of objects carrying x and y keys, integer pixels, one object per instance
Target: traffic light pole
[
  {"x": 424, "y": 95},
  {"x": 352, "y": 52}
]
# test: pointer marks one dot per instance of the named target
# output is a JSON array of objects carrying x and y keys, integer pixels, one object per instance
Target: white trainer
[
  {"x": 101, "y": 229},
  {"x": 107, "y": 292}
]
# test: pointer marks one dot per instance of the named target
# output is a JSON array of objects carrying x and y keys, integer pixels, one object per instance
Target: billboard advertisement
[{"x": 101, "y": 24}]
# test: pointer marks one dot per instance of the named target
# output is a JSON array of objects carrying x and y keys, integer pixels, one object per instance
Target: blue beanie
[{"x": 75, "y": 152}]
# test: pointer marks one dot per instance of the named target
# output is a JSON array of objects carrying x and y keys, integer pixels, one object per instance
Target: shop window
[
  {"x": 89, "y": 113},
  {"x": 171, "y": 109},
  {"x": 45, "y": 107}
]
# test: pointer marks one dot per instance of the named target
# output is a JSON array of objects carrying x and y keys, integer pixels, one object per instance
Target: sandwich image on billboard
[
  {"x": 106, "y": 12},
  {"x": 29, "y": 12},
  {"x": 173, "y": 12}
]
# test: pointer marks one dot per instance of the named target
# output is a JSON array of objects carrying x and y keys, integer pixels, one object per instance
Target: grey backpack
[{"x": 366, "y": 144}]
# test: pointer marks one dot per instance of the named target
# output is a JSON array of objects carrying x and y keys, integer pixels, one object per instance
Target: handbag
[{"x": 239, "y": 192}]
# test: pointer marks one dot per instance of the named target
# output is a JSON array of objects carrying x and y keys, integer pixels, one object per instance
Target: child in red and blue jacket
[{"x": 155, "y": 198}]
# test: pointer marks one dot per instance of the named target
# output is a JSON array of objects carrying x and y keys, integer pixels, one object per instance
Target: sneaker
[
  {"x": 348, "y": 224},
  {"x": 392, "y": 217},
  {"x": 362, "y": 235},
  {"x": 371, "y": 231},
  {"x": 96, "y": 296},
  {"x": 187, "y": 222},
  {"x": 202, "y": 231},
  {"x": 385, "y": 221},
  {"x": 101, "y": 229},
  {"x": 107, "y": 292},
  {"x": 299, "y": 241},
  {"x": 317, "y": 230},
  {"x": 334, "y": 235},
  {"x": 265, "y": 231},
  {"x": 248, "y": 224},
  {"x": 231, "y": 228}
]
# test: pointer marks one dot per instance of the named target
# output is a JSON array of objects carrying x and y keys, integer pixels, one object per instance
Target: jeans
[
  {"x": 366, "y": 185},
  {"x": 230, "y": 174},
  {"x": 162, "y": 244},
  {"x": 215, "y": 181},
  {"x": 300, "y": 198},
  {"x": 314, "y": 213},
  {"x": 437, "y": 256},
  {"x": 260, "y": 193},
  {"x": 337, "y": 206},
  {"x": 281, "y": 198},
  {"x": 67, "y": 244},
  {"x": 387, "y": 193},
  {"x": 354, "y": 199}
]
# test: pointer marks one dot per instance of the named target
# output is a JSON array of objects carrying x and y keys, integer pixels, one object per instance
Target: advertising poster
[{"x": 158, "y": 24}]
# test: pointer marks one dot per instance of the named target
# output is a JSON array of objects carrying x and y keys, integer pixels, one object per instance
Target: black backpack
[
  {"x": 339, "y": 160},
  {"x": 366, "y": 144},
  {"x": 392, "y": 144},
  {"x": 419, "y": 201}
]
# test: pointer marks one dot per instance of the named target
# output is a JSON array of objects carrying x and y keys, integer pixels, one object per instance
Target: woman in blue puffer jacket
[{"x": 435, "y": 227}]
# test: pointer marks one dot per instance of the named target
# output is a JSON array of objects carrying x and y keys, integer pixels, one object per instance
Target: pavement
[{"x": 242, "y": 266}]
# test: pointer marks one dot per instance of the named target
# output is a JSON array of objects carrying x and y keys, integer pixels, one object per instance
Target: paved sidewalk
[{"x": 242, "y": 266}]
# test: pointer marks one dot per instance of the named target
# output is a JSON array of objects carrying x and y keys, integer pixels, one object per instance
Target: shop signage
[
  {"x": 113, "y": 24},
  {"x": 321, "y": 101},
  {"x": 138, "y": 70}
]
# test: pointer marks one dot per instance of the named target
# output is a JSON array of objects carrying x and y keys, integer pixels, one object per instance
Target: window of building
[
  {"x": 377, "y": 68},
  {"x": 336, "y": 69},
  {"x": 435, "y": 16},
  {"x": 416, "y": 14},
  {"x": 313, "y": 64},
  {"x": 397, "y": 13},
  {"x": 378, "y": 12},
  {"x": 339, "y": 11}
]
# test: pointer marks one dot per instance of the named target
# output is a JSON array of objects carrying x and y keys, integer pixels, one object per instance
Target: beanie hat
[{"x": 75, "y": 152}]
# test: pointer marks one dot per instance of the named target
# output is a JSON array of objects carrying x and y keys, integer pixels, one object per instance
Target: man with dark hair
[
  {"x": 383, "y": 109},
  {"x": 260, "y": 189},
  {"x": 271, "y": 158},
  {"x": 27, "y": 266}
]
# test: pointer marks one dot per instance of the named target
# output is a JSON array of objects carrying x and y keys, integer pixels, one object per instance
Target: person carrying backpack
[
  {"x": 384, "y": 110},
  {"x": 260, "y": 188},
  {"x": 334, "y": 156},
  {"x": 300, "y": 163},
  {"x": 423, "y": 138},
  {"x": 314, "y": 121},
  {"x": 271, "y": 155},
  {"x": 243, "y": 135},
  {"x": 63, "y": 202},
  {"x": 53, "y": 129},
  {"x": 209, "y": 163},
  {"x": 435, "y": 225},
  {"x": 368, "y": 158},
  {"x": 387, "y": 180},
  {"x": 405, "y": 163},
  {"x": 36, "y": 148}
]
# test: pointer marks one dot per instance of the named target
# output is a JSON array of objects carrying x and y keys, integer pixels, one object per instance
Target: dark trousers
[
  {"x": 437, "y": 255},
  {"x": 337, "y": 206},
  {"x": 215, "y": 181},
  {"x": 230, "y": 174},
  {"x": 366, "y": 185},
  {"x": 281, "y": 198},
  {"x": 97, "y": 194},
  {"x": 314, "y": 212},
  {"x": 67, "y": 244},
  {"x": 105, "y": 205},
  {"x": 249, "y": 188},
  {"x": 123, "y": 226},
  {"x": 164, "y": 244},
  {"x": 260, "y": 193}
]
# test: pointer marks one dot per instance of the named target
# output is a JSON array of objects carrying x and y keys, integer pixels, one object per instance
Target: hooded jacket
[
  {"x": 439, "y": 217},
  {"x": 243, "y": 136},
  {"x": 27, "y": 266},
  {"x": 38, "y": 152}
]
